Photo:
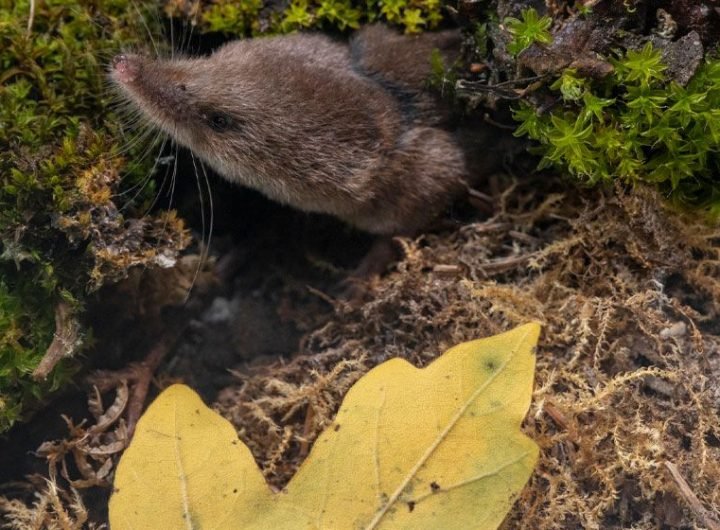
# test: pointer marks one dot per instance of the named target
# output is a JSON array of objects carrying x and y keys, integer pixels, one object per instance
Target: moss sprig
[{"x": 528, "y": 29}]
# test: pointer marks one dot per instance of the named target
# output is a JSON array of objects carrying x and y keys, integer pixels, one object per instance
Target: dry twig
[{"x": 695, "y": 505}]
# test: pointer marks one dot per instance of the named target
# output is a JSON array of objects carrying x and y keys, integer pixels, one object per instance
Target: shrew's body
[{"x": 346, "y": 129}]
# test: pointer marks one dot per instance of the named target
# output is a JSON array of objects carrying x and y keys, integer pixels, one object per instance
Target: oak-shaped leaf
[{"x": 431, "y": 448}]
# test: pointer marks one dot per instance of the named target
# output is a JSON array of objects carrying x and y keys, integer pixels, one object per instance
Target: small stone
[{"x": 221, "y": 310}]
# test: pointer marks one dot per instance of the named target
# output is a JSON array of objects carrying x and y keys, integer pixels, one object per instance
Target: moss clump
[
  {"x": 253, "y": 17},
  {"x": 636, "y": 125},
  {"x": 61, "y": 233}
]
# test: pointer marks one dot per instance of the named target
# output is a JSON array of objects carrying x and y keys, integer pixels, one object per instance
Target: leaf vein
[
  {"x": 428, "y": 453},
  {"x": 181, "y": 473},
  {"x": 476, "y": 478},
  {"x": 376, "y": 451}
]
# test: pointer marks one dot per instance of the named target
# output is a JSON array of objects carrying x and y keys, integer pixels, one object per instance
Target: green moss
[
  {"x": 59, "y": 173},
  {"x": 248, "y": 17},
  {"x": 636, "y": 125},
  {"x": 531, "y": 28},
  {"x": 233, "y": 17}
]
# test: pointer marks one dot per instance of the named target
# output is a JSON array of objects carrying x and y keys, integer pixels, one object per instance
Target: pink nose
[{"x": 125, "y": 68}]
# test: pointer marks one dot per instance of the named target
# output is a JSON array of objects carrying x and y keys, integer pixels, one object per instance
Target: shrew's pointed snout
[
  {"x": 125, "y": 68},
  {"x": 158, "y": 89}
]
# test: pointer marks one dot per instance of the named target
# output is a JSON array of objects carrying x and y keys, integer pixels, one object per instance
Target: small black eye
[{"x": 220, "y": 122}]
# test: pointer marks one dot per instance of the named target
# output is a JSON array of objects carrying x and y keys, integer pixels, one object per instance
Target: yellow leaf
[{"x": 434, "y": 448}]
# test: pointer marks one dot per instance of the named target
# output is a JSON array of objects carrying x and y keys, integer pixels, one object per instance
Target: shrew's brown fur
[{"x": 346, "y": 129}]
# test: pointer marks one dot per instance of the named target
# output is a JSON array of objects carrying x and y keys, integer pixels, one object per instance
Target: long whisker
[
  {"x": 192, "y": 23},
  {"x": 163, "y": 160},
  {"x": 150, "y": 147},
  {"x": 172, "y": 195},
  {"x": 212, "y": 208},
  {"x": 172, "y": 38},
  {"x": 137, "y": 140},
  {"x": 202, "y": 207},
  {"x": 147, "y": 29},
  {"x": 205, "y": 248},
  {"x": 173, "y": 177},
  {"x": 140, "y": 186}
]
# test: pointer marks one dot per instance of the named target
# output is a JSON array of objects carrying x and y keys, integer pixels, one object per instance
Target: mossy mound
[
  {"x": 65, "y": 227},
  {"x": 627, "y": 364}
]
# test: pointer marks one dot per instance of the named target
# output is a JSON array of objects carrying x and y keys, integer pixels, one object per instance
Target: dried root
[{"x": 93, "y": 449}]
